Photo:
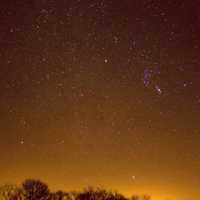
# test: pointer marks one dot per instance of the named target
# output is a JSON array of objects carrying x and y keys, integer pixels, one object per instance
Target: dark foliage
[
  {"x": 99, "y": 194},
  {"x": 36, "y": 190},
  {"x": 11, "y": 192},
  {"x": 60, "y": 195}
]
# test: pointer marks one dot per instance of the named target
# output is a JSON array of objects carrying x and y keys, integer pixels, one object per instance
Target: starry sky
[{"x": 103, "y": 93}]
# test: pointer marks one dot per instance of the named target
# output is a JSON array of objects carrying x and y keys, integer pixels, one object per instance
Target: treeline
[{"x": 36, "y": 190}]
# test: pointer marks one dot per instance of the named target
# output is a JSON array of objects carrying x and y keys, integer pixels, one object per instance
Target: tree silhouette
[
  {"x": 99, "y": 194},
  {"x": 135, "y": 197},
  {"x": 143, "y": 197},
  {"x": 146, "y": 197},
  {"x": 60, "y": 195},
  {"x": 118, "y": 196},
  {"x": 35, "y": 190},
  {"x": 11, "y": 192}
]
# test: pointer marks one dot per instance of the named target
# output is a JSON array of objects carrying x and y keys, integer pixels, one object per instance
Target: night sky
[{"x": 103, "y": 93}]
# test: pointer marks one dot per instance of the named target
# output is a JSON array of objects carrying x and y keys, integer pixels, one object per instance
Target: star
[
  {"x": 158, "y": 89},
  {"x": 133, "y": 178},
  {"x": 22, "y": 141}
]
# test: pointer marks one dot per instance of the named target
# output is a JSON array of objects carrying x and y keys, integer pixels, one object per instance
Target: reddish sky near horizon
[{"x": 101, "y": 92}]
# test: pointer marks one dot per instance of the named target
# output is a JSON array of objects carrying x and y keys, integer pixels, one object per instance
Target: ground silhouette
[{"x": 32, "y": 189}]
